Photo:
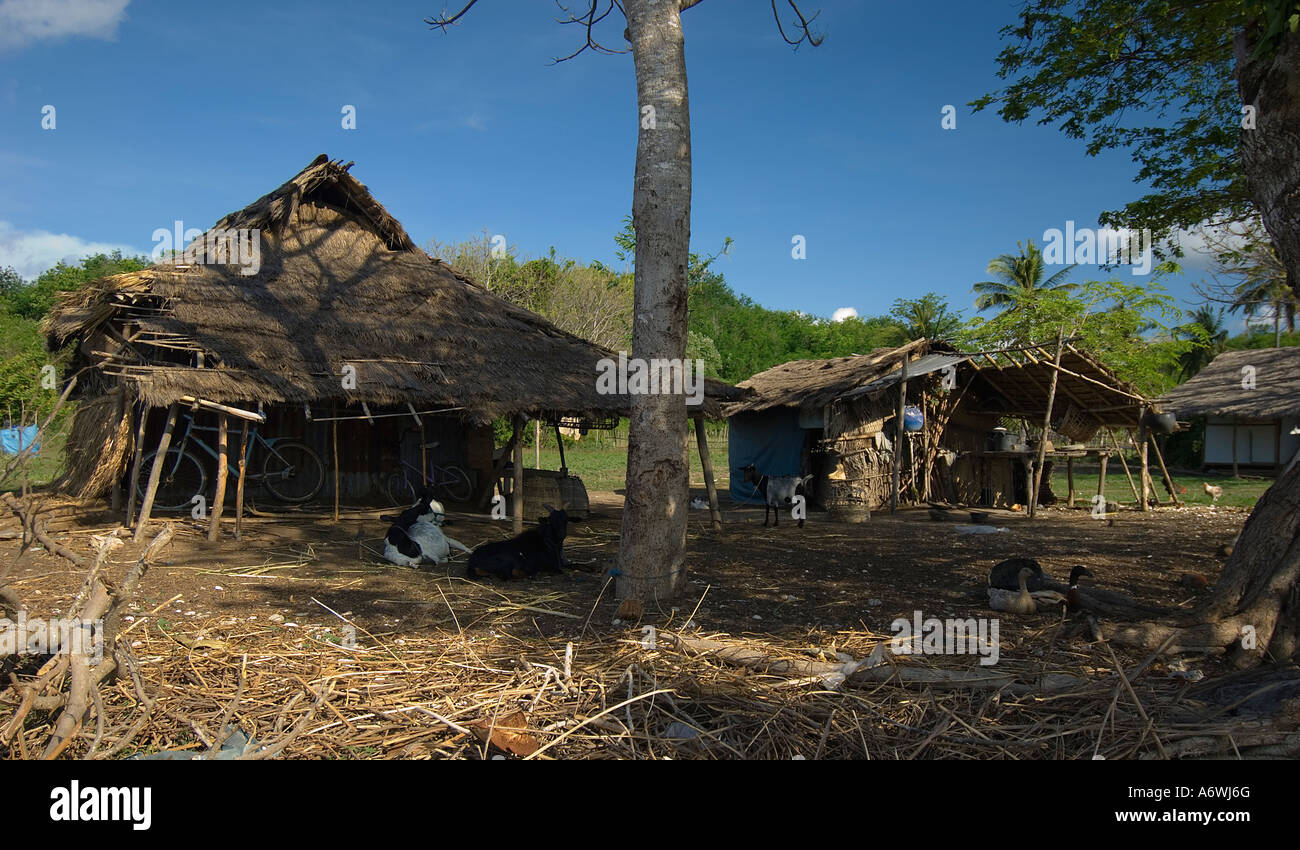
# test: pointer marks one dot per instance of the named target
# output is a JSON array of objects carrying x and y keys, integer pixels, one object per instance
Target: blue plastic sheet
[
  {"x": 14, "y": 440},
  {"x": 771, "y": 440}
]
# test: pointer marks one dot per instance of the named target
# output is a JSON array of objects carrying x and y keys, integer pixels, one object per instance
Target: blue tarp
[
  {"x": 771, "y": 440},
  {"x": 14, "y": 440}
]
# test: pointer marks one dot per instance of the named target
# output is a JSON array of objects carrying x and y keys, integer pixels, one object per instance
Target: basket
[{"x": 1076, "y": 424}]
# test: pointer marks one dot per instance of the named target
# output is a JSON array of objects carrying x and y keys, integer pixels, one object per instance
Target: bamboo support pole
[
  {"x": 900, "y": 436},
  {"x": 706, "y": 463},
  {"x": 1119, "y": 450},
  {"x": 155, "y": 473},
  {"x": 334, "y": 439},
  {"x": 240, "y": 468},
  {"x": 219, "y": 497},
  {"x": 1047, "y": 424},
  {"x": 517, "y": 494},
  {"x": 134, "y": 484}
]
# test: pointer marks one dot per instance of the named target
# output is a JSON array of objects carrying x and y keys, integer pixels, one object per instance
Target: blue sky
[{"x": 168, "y": 111}]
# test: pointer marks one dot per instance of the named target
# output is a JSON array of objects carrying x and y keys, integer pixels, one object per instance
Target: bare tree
[{"x": 652, "y": 542}]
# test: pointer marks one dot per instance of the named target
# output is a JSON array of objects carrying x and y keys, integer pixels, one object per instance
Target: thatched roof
[
  {"x": 1019, "y": 379},
  {"x": 811, "y": 384},
  {"x": 1217, "y": 389},
  {"x": 341, "y": 283}
]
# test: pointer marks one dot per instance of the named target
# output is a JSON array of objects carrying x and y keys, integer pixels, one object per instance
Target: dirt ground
[{"x": 815, "y": 585}]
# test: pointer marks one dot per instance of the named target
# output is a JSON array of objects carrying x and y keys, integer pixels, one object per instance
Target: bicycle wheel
[
  {"x": 399, "y": 490},
  {"x": 454, "y": 484},
  {"x": 181, "y": 480},
  {"x": 292, "y": 472}
]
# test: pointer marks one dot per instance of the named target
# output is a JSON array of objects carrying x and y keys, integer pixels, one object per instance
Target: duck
[
  {"x": 1004, "y": 574},
  {"x": 1014, "y": 602},
  {"x": 1073, "y": 600}
]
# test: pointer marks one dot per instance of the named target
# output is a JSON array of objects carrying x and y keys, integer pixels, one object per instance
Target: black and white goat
[
  {"x": 536, "y": 550},
  {"x": 415, "y": 535},
  {"x": 778, "y": 491}
]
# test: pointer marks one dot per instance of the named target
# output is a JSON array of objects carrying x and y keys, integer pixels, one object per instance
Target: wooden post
[
  {"x": 219, "y": 497},
  {"x": 1234, "y": 448},
  {"x": 334, "y": 427},
  {"x": 1047, "y": 424},
  {"x": 537, "y": 442},
  {"x": 559, "y": 442},
  {"x": 925, "y": 445},
  {"x": 1101, "y": 478},
  {"x": 135, "y": 466},
  {"x": 155, "y": 473},
  {"x": 1119, "y": 450},
  {"x": 1069, "y": 475},
  {"x": 900, "y": 436},
  {"x": 1142, "y": 454},
  {"x": 424, "y": 456},
  {"x": 517, "y": 497},
  {"x": 239, "y": 485},
  {"x": 706, "y": 463},
  {"x": 1169, "y": 481}
]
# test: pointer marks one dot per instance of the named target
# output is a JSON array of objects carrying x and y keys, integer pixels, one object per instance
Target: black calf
[{"x": 539, "y": 549}]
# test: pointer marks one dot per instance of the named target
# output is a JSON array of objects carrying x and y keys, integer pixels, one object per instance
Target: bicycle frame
[{"x": 255, "y": 439}]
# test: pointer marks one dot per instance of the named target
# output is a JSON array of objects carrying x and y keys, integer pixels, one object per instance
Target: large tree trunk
[
  {"x": 1270, "y": 152},
  {"x": 652, "y": 542},
  {"x": 1254, "y": 611}
]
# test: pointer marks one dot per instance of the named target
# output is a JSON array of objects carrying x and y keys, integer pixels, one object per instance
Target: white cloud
[
  {"x": 31, "y": 252},
  {"x": 843, "y": 313},
  {"x": 25, "y": 22}
]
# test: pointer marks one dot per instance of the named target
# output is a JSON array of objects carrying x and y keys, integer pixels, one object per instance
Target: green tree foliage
[
  {"x": 1017, "y": 278},
  {"x": 927, "y": 316},
  {"x": 22, "y": 355},
  {"x": 1208, "y": 336},
  {"x": 34, "y": 300},
  {"x": 1083, "y": 66},
  {"x": 22, "y": 347},
  {"x": 1128, "y": 326}
]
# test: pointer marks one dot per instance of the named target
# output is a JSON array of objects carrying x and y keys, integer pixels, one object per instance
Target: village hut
[
  {"x": 312, "y": 315},
  {"x": 838, "y": 420},
  {"x": 1249, "y": 403}
]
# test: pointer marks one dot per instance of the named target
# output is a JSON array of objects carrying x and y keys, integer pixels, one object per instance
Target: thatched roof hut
[
  {"x": 340, "y": 284},
  {"x": 1251, "y": 404},
  {"x": 313, "y": 302},
  {"x": 1261, "y": 383},
  {"x": 836, "y": 418}
]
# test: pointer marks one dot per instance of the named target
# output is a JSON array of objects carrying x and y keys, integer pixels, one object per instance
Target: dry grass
[{"x": 306, "y": 691}]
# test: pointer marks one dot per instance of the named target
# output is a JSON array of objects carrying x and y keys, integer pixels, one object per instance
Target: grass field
[
  {"x": 1237, "y": 492},
  {"x": 604, "y": 466}
]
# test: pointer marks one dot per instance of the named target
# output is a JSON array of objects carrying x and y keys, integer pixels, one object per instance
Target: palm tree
[
  {"x": 1211, "y": 329},
  {"x": 1016, "y": 276}
]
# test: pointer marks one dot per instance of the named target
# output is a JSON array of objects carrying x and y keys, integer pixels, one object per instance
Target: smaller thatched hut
[
  {"x": 1250, "y": 403},
  {"x": 837, "y": 419}
]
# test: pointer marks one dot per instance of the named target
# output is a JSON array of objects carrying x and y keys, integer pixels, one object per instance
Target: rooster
[{"x": 1214, "y": 491}]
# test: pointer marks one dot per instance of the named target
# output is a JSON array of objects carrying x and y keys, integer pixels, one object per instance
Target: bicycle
[
  {"x": 450, "y": 482},
  {"x": 291, "y": 471}
]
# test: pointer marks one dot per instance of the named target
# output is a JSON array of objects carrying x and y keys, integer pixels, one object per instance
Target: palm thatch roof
[
  {"x": 340, "y": 284},
  {"x": 1221, "y": 388},
  {"x": 811, "y": 384},
  {"x": 1017, "y": 379}
]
